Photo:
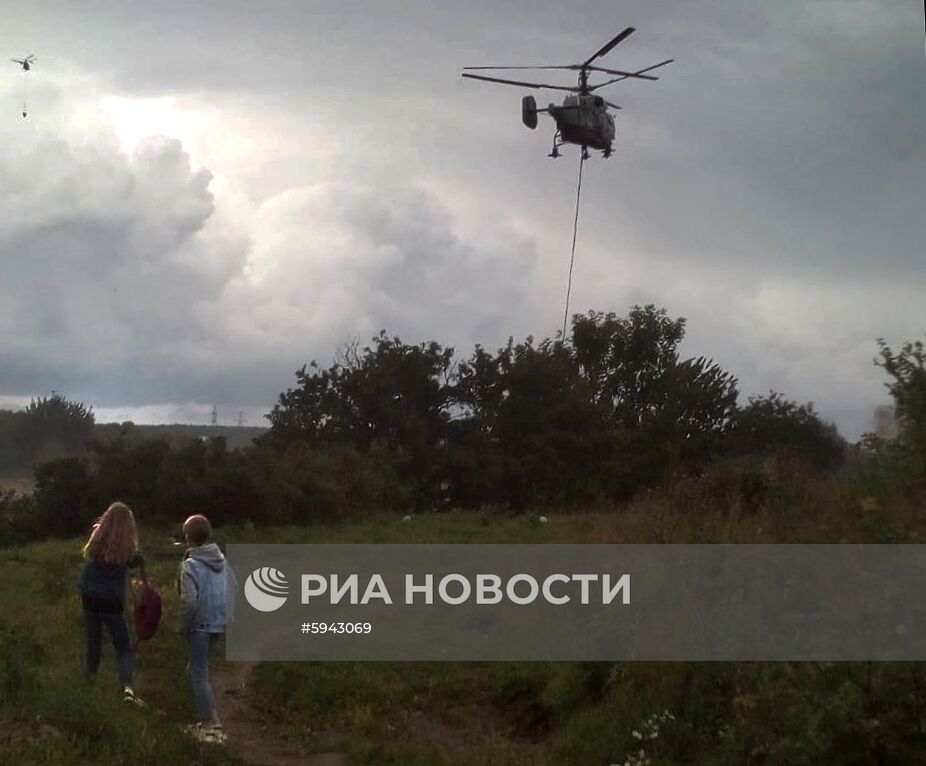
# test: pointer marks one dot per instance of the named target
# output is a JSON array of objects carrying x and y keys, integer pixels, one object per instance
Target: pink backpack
[{"x": 147, "y": 611}]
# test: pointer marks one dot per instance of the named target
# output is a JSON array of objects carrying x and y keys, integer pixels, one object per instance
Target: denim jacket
[{"x": 207, "y": 585}]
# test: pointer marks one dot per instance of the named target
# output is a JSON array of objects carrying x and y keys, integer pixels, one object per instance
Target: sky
[{"x": 205, "y": 196}]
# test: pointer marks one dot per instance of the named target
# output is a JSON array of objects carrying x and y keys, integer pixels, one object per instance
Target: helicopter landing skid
[{"x": 558, "y": 142}]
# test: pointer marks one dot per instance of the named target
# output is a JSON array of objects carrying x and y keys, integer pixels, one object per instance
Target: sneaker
[
  {"x": 128, "y": 695},
  {"x": 195, "y": 730},
  {"x": 214, "y": 734},
  {"x": 204, "y": 733}
]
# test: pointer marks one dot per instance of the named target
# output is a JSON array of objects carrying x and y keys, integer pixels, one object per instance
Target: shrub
[
  {"x": 20, "y": 655},
  {"x": 64, "y": 497},
  {"x": 907, "y": 369},
  {"x": 17, "y": 518},
  {"x": 773, "y": 425}
]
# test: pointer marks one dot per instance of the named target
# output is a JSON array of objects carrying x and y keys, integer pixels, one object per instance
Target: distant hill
[
  {"x": 236, "y": 437},
  {"x": 18, "y": 461}
]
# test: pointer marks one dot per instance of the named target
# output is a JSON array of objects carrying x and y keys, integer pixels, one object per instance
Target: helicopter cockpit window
[{"x": 599, "y": 101}]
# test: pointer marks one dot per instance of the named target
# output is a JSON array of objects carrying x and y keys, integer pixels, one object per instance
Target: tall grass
[
  {"x": 509, "y": 714},
  {"x": 48, "y": 713}
]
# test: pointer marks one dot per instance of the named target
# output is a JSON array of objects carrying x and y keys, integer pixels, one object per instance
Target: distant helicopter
[
  {"x": 583, "y": 118},
  {"x": 25, "y": 63}
]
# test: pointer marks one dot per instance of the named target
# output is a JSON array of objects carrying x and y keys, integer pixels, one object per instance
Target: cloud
[
  {"x": 134, "y": 279},
  {"x": 336, "y": 258},
  {"x": 93, "y": 254}
]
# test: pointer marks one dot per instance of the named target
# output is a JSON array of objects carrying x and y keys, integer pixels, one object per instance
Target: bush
[
  {"x": 64, "y": 497},
  {"x": 907, "y": 369},
  {"x": 20, "y": 655},
  {"x": 727, "y": 485},
  {"x": 17, "y": 518},
  {"x": 304, "y": 482},
  {"x": 773, "y": 425}
]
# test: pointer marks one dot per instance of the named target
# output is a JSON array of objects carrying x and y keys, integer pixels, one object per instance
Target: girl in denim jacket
[{"x": 205, "y": 584}]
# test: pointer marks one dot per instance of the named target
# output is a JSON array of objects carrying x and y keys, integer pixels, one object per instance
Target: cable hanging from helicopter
[
  {"x": 25, "y": 64},
  {"x": 582, "y": 119}
]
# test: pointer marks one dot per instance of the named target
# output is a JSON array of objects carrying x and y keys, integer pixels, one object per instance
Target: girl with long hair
[{"x": 110, "y": 551}]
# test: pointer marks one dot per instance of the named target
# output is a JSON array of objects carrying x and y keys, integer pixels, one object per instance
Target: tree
[
  {"x": 626, "y": 360},
  {"x": 389, "y": 394},
  {"x": 53, "y": 427},
  {"x": 10, "y": 454},
  {"x": 531, "y": 425},
  {"x": 666, "y": 411},
  {"x": 772, "y": 424},
  {"x": 547, "y": 422},
  {"x": 907, "y": 369},
  {"x": 64, "y": 497}
]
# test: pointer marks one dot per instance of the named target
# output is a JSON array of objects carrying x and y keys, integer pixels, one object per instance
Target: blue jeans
[
  {"x": 115, "y": 624},
  {"x": 198, "y": 670}
]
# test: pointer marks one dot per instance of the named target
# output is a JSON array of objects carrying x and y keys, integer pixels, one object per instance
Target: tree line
[{"x": 559, "y": 423}]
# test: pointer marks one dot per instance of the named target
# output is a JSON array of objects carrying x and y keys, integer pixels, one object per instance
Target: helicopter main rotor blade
[
  {"x": 518, "y": 82},
  {"x": 606, "y": 48},
  {"x": 624, "y": 77},
  {"x": 613, "y": 106},
  {"x": 654, "y": 66},
  {"x": 546, "y": 66},
  {"x": 622, "y": 73}
]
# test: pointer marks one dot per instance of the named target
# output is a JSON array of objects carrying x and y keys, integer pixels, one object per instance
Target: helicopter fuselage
[{"x": 584, "y": 119}]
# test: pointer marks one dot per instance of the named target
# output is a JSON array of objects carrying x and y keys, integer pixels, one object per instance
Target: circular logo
[{"x": 266, "y": 589}]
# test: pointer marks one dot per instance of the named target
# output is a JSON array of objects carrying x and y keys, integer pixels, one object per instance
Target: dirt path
[{"x": 248, "y": 737}]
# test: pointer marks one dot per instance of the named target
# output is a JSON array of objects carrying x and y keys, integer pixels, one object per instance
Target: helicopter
[
  {"x": 25, "y": 63},
  {"x": 583, "y": 117}
]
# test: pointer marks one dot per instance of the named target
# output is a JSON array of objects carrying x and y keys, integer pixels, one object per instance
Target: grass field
[{"x": 466, "y": 713}]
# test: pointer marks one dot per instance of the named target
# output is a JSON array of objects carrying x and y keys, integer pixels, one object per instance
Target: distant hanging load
[{"x": 26, "y": 64}]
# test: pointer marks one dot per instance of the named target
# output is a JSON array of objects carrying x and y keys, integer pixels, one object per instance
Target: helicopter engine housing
[{"x": 529, "y": 112}]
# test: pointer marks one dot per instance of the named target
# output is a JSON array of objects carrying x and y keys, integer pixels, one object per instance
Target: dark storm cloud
[{"x": 768, "y": 187}]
